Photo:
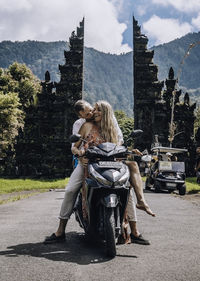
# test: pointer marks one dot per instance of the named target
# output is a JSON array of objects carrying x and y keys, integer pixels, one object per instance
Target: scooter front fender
[{"x": 110, "y": 201}]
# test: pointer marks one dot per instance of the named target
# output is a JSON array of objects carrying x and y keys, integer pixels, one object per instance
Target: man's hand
[
  {"x": 136, "y": 151},
  {"x": 84, "y": 161},
  {"x": 81, "y": 152}
]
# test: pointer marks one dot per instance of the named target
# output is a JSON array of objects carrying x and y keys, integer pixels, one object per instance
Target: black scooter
[{"x": 106, "y": 193}]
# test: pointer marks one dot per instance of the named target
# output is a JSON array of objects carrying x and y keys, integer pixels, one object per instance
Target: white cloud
[
  {"x": 165, "y": 30},
  {"x": 196, "y": 21},
  {"x": 141, "y": 10},
  {"x": 119, "y": 4},
  {"x": 55, "y": 20},
  {"x": 186, "y": 6},
  {"x": 14, "y": 5}
]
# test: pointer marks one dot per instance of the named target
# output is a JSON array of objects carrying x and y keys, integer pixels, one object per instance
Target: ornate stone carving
[{"x": 147, "y": 88}]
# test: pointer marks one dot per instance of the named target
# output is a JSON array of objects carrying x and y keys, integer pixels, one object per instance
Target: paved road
[{"x": 174, "y": 253}]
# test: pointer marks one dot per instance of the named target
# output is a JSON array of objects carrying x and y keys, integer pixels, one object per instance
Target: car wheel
[{"x": 182, "y": 189}]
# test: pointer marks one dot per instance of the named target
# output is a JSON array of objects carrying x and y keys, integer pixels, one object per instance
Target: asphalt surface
[{"x": 174, "y": 253}]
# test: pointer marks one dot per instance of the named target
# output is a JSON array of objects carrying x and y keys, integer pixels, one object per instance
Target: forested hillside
[
  {"x": 172, "y": 54},
  {"x": 107, "y": 76},
  {"x": 38, "y": 56}
]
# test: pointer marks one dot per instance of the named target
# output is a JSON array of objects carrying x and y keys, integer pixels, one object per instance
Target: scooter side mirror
[
  {"x": 74, "y": 138},
  {"x": 136, "y": 134}
]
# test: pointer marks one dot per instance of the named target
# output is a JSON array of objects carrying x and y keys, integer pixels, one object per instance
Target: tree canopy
[
  {"x": 18, "y": 89},
  {"x": 11, "y": 118},
  {"x": 126, "y": 124}
]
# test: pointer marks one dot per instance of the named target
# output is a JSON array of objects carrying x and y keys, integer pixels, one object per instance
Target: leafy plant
[
  {"x": 18, "y": 90},
  {"x": 126, "y": 124},
  {"x": 11, "y": 118}
]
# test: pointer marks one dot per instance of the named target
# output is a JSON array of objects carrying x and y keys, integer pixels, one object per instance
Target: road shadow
[{"x": 75, "y": 249}]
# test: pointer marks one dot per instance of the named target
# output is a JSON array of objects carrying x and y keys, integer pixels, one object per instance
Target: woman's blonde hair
[{"x": 108, "y": 130}]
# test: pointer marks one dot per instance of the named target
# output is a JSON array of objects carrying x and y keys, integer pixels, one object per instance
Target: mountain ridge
[{"x": 108, "y": 76}]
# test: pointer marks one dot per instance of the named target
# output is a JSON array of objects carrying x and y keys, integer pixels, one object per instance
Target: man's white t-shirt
[{"x": 77, "y": 125}]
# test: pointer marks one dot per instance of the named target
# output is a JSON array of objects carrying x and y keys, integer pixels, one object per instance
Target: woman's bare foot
[{"x": 145, "y": 207}]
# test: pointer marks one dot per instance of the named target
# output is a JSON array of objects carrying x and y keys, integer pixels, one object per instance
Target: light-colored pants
[
  {"x": 131, "y": 210},
  {"x": 71, "y": 192}
]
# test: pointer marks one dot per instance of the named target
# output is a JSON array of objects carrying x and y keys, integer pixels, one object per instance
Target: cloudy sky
[{"x": 108, "y": 22}]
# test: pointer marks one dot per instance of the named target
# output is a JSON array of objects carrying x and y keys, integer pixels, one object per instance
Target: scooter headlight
[
  {"x": 125, "y": 176},
  {"x": 98, "y": 177}
]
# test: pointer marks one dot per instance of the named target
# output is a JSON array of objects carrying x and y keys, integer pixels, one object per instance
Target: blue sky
[
  {"x": 161, "y": 20},
  {"x": 108, "y": 22}
]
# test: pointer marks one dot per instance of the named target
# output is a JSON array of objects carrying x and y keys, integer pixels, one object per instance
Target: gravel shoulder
[{"x": 193, "y": 198}]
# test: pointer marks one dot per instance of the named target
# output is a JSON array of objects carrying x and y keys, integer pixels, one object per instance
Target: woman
[{"x": 103, "y": 130}]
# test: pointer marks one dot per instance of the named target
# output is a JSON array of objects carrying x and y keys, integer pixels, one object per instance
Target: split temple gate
[
  {"x": 153, "y": 105},
  {"x": 43, "y": 148}
]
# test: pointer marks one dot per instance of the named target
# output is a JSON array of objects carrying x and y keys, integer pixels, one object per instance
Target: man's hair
[{"x": 80, "y": 106}]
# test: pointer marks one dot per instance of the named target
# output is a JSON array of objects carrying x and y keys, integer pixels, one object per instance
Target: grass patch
[
  {"x": 18, "y": 197},
  {"x": 17, "y": 185},
  {"x": 192, "y": 186}
]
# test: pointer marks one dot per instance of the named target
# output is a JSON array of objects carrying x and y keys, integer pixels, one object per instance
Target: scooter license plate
[
  {"x": 170, "y": 184},
  {"x": 109, "y": 164}
]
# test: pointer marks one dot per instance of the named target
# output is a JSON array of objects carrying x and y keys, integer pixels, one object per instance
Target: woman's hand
[{"x": 81, "y": 152}]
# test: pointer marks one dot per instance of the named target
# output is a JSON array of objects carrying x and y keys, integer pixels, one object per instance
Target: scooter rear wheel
[{"x": 109, "y": 226}]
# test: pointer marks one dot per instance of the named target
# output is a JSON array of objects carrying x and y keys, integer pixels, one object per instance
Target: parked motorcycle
[{"x": 107, "y": 191}]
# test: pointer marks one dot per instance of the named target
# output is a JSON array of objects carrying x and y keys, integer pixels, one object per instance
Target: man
[{"x": 85, "y": 113}]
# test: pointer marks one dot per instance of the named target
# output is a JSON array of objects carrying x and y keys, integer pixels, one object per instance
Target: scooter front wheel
[{"x": 109, "y": 226}]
